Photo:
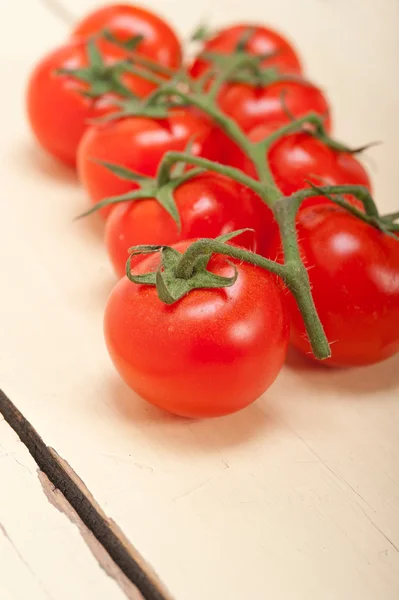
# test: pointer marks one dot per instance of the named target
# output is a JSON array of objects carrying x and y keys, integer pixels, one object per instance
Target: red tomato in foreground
[
  {"x": 262, "y": 41},
  {"x": 211, "y": 353},
  {"x": 209, "y": 205},
  {"x": 139, "y": 143},
  {"x": 58, "y": 111},
  {"x": 354, "y": 274},
  {"x": 125, "y": 21},
  {"x": 251, "y": 106}
]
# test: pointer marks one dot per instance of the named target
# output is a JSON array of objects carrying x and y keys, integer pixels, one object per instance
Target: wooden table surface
[{"x": 295, "y": 498}]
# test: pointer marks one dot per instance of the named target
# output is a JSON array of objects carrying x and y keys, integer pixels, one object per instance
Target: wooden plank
[
  {"x": 65, "y": 489},
  {"x": 45, "y": 551},
  {"x": 298, "y": 496}
]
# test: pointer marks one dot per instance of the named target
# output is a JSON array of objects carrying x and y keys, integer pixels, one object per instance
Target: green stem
[
  {"x": 185, "y": 267},
  {"x": 153, "y": 66},
  {"x": 292, "y": 127},
  {"x": 293, "y": 274},
  {"x": 224, "y": 75},
  {"x": 359, "y": 191},
  {"x": 144, "y": 74},
  {"x": 171, "y": 158},
  {"x": 319, "y": 132},
  {"x": 298, "y": 283},
  {"x": 296, "y": 276},
  {"x": 206, "y": 104}
]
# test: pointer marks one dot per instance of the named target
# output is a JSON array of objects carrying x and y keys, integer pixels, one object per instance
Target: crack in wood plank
[
  {"x": 339, "y": 477},
  {"x": 58, "y": 500},
  {"x": 4, "y": 531},
  {"x": 106, "y": 531}
]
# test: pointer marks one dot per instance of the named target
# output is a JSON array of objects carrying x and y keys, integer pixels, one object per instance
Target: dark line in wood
[{"x": 85, "y": 508}]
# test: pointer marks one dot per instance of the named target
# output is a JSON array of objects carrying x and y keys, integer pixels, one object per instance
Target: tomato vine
[{"x": 189, "y": 270}]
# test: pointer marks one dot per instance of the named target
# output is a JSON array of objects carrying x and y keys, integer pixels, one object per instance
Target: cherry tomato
[
  {"x": 139, "y": 143},
  {"x": 354, "y": 274},
  {"x": 301, "y": 157},
  {"x": 251, "y": 106},
  {"x": 125, "y": 21},
  {"x": 209, "y": 205},
  {"x": 262, "y": 41},
  {"x": 58, "y": 111},
  {"x": 211, "y": 353},
  {"x": 297, "y": 159}
]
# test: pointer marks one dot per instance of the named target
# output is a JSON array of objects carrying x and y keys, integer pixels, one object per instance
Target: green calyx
[
  {"x": 241, "y": 67},
  {"x": 336, "y": 194},
  {"x": 128, "y": 45},
  {"x": 311, "y": 124},
  {"x": 171, "y": 281},
  {"x": 100, "y": 78},
  {"x": 147, "y": 188}
]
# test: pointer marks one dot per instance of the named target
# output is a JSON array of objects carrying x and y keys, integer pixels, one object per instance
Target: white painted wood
[
  {"x": 42, "y": 553},
  {"x": 297, "y": 497}
]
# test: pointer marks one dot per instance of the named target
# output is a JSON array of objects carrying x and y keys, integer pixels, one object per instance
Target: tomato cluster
[{"x": 91, "y": 104}]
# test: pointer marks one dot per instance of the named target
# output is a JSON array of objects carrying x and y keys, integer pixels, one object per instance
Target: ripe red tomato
[
  {"x": 211, "y": 353},
  {"x": 296, "y": 159},
  {"x": 262, "y": 41},
  {"x": 251, "y": 106},
  {"x": 58, "y": 111},
  {"x": 354, "y": 274},
  {"x": 125, "y": 21},
  {"x": 209, "y": 205},
  {"x": 139, "y": 143}
]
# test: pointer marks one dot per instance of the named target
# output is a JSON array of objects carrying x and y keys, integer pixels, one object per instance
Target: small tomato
[{"x": 212, "y": 353}]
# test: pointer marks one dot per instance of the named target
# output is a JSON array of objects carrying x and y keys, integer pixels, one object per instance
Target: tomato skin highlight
[
  {"x": 139, "y": 143},
  {"x": 209, "y": 205},
  {"x": 354, "y": 274},
  {"x": 58, "y": 112},
  {"x": 125, "y": 21},
  {"x": 211, "y": 353},
  {"x": 263, "y": 41},
  {"x": 250, "y": 106}
]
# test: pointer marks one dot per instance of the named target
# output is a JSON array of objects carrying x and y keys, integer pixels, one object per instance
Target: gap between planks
[{"x": 79, "y": 498}]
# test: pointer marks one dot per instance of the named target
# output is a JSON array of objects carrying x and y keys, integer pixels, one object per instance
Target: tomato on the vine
[
  {"x": 57, "y": 108},
  {"x": 140, "y": 143},
  {"x": 124, "y": 22},
  {"x": 262, "y": 41},
  {"x": 297, "y": 159},
  {"x": 354, "y": 275},
  {"x": 212, "y": 353},
  {"x": 251, "y": 106},
  {"x": 209, "y": 205}
]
